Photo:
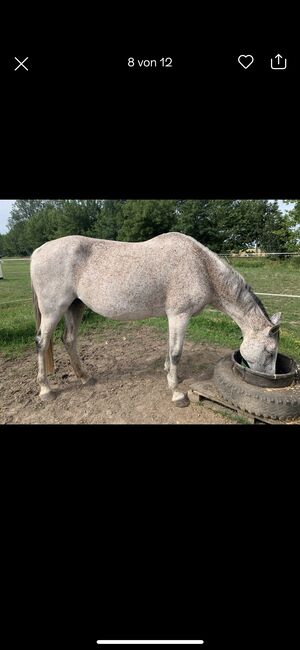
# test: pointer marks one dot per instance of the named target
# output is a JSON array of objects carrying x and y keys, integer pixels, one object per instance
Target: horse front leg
[
  {"x": 73, "y": 318},
  {"x": 167, "y": 360},
  {"x": 177, "y": 328}
]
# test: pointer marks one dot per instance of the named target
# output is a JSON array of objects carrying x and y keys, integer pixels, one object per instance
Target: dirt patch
[{"x": 131, "y": 385}]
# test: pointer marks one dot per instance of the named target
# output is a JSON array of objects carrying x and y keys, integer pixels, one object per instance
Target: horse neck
[
  {"x": 249, "y": 320},
  {"x": 233, "y": 297}
]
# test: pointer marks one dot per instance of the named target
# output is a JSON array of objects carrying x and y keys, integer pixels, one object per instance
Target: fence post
[{"x": 1, "y": 272}]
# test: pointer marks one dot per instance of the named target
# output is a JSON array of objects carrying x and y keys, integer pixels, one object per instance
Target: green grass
[
  {"x": 232, "y": 416},
  {"x": 271, "y": 276},
  {"x": 238, "y": 418},
  {"x": 17, "y": 328}
]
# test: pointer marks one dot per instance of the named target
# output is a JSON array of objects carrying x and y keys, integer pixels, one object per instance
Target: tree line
[{"x": 222, "y": 225}]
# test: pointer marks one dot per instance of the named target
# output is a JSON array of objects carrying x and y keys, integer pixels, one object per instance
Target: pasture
[{"x": 17, "y": 328}]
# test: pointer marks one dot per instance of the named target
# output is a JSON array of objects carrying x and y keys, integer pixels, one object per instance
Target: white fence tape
[
  {"x": 10, "y": 302},
  {"x": 281, "y": 295},
  {"x": 15, "y": 259},
  {"x": 256, "y": 256}
]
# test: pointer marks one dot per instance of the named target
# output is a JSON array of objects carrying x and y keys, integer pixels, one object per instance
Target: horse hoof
[
  {"x": 48, "y": 397},
  {"x": 180, "y": 399},
  {"x": 90, "y": 381}
]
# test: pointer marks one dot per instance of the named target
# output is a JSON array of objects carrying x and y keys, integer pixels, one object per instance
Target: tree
[
  {"x": 222, "y": 225},
  {"x": 257, "y": 223},
  {"x": 226, "y": 225},
  {"x": 109, "y": 219},
  {"x": 294, "y": 216},
  {"x": 22, "y": 210},
  {"x": 146, "y": 219},
  {"x": 246, "y": 222},
  {"x": 77, "y": 217},
  {"x": 41, "y": 227},
  {"x": 14, "y": 241},
  {"x": 206, "y": 220}
]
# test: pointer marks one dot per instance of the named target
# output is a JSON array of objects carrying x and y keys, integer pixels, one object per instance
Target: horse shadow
[{"x": 190, "y": 369}]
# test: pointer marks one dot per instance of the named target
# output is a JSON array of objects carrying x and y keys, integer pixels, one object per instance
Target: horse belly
[{"x": 122, "y": 303}]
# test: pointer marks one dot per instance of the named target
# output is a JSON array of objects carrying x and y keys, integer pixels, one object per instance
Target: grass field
[{"x": 17, "y": 328}]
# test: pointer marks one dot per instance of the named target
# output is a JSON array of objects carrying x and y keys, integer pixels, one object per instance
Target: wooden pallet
[{"x": 206, "y": 390}]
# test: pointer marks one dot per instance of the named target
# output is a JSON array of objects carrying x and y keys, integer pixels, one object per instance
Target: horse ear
[
  {"x": 274, "y": 330},
  {"x": 275, "y": 319}
]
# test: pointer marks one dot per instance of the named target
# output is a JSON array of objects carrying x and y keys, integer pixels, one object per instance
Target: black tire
[{"x": 275, "y": 403}]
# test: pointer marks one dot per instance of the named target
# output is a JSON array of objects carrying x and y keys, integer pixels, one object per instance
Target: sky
[{"x": 5, "y": 207}]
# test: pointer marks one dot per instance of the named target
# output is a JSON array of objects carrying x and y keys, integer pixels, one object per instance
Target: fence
[{"x": 259, "y": 255}]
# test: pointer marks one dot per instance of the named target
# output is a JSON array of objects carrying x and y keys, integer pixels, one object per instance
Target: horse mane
[{"x": 242, "y": 293}]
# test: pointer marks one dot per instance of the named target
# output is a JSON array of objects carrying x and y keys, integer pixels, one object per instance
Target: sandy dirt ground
[{"x": 130, "y": 387}]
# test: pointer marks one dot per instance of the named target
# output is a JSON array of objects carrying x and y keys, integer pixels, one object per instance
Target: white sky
[{"x": 5, "y": 207}]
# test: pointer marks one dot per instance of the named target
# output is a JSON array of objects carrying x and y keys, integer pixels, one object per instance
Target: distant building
[{"x": 248, "y": 252}]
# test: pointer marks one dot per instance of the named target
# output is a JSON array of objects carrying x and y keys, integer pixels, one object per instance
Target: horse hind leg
[
  {"x": 73, "y": 317},
  {"x": 43, "y": 339},
  {"x": 177, "y": 329}
]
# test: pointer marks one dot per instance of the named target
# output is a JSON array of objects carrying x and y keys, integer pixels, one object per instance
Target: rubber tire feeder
[
  {"x": 286, "y": 372},
  {"x": 274, "y": 403}
]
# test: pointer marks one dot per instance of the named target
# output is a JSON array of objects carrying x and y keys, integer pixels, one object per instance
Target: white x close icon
[{"x": 21, "y": 63}]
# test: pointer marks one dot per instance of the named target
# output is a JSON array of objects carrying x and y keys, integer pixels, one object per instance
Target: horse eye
[{"x": 271, "y": 351}]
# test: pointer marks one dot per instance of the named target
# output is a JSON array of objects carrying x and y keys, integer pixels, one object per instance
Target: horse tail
[{"x": 48, "y": 354}]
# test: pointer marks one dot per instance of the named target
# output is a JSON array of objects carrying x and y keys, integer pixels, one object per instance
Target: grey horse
[{"x": 170, "y": 275}]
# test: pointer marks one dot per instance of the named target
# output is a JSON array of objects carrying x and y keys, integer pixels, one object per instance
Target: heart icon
[{"x": 245, "y": 60}]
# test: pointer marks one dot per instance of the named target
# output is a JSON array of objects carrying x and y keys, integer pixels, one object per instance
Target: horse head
[{"x": 259, "y": 348}]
